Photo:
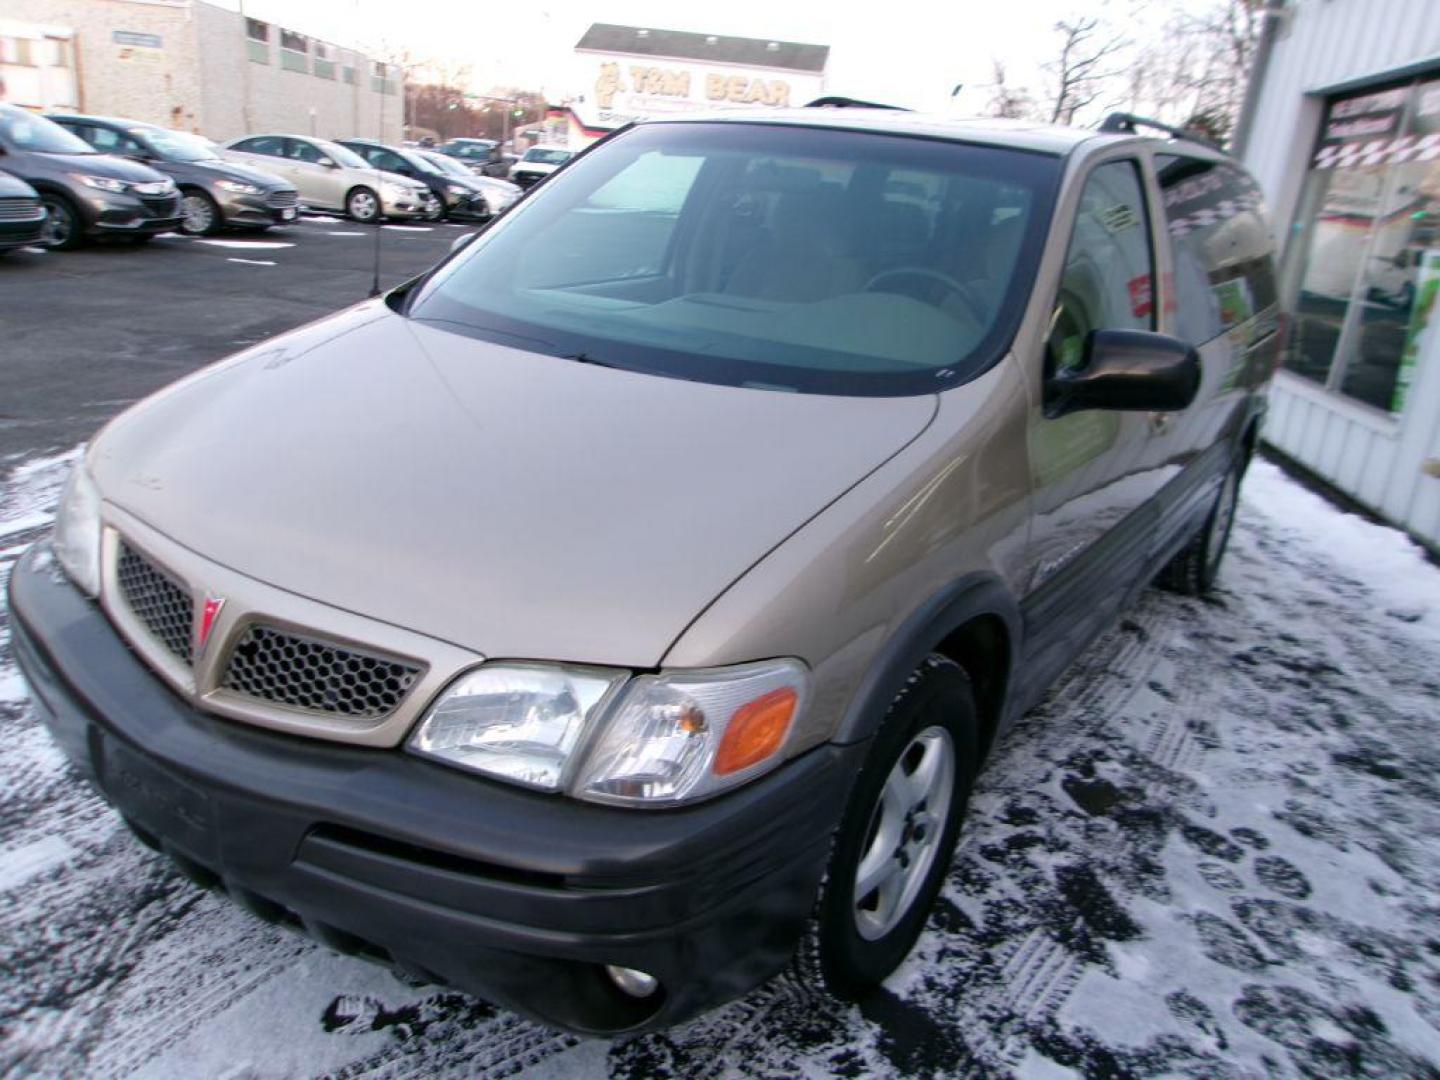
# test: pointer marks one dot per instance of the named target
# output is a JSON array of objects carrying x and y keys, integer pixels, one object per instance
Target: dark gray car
[
  {"x": 215, "y": 193},
  {"x": 86, "y": 193},
  {"x": 22, "y": 217}
]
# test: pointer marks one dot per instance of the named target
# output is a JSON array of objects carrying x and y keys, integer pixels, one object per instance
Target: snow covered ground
[{"x": 1213, "y": 851}]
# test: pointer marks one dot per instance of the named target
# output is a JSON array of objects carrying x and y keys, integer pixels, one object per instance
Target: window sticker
[
  {"x": 1427, "y": 286},
  {"x": 1117, "y": 218},
  {"x": 1142, "y": 300}
]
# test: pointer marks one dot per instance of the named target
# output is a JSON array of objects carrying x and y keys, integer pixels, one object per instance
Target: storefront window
[{"x": 1358, "y": 265}]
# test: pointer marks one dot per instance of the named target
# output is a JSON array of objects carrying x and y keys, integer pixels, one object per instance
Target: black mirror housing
[{"x": 1127, "y": 370}]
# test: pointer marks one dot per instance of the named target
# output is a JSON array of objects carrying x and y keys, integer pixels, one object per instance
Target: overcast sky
[{"x": 910, "y": 53}]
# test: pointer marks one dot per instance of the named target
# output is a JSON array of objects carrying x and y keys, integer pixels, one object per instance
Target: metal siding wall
[{"x": 1325, "y": 43}]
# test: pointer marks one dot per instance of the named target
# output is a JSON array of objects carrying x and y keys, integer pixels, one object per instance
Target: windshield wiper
[{"x": 586, "y": 358}]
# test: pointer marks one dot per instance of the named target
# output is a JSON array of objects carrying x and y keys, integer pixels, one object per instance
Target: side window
[
  {"x": 303, "y": 151},
  {"x": 108, "y": 141},
  {"x": 271, "y": 145},
  {"x": 1220, "y": 241},
  {"x": 82, "y": 131},
  {"x": 1109, "y": 278},
  {"x": 384, "y": 159}
]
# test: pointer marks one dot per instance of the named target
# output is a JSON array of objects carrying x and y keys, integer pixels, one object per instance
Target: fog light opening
[{"x": 638, "y": 984}]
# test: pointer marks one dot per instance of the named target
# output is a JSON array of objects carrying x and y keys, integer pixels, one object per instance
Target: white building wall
[{"x": 1378, "y": 460}]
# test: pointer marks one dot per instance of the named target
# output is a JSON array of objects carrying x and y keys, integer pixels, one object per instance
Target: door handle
[{"x": 1160, "y": 422}]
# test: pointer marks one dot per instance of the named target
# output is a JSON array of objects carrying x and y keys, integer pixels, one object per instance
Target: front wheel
[
  {"x": 1193, "y": 571},
  {"x": 202, "y": 216},
  {"x": 363, "y": 206},
  {"x": 63, "y": 230},
  {"x": 896, "y": 837}
]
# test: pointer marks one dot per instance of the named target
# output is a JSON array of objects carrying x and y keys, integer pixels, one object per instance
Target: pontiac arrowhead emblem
[{"x": 208, "y": 614}]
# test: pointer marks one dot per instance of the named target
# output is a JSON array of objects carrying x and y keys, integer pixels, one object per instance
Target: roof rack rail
[
  {"x": 835, "y": 102},
  {"x": 1127, "y": 123}
]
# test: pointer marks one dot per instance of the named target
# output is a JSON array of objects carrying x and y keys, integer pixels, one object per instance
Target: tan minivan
[{"x": 620, "y": 612}]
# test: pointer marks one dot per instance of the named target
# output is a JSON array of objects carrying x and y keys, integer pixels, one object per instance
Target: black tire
[
  {"x": 362, "y": 205},
  {"x": 835, "y": 955},
  {"x": 64, "y": 229},
  {"x": 1195, "y": 568},
  {"x": 202, "y": 215}
]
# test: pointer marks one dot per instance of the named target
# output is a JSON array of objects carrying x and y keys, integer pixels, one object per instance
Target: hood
[
  {"x": 516, "y": 504},
  {"x": 230, "y": 171},
  {"x": 534, "y": 167},
  {"x": 397, "y": 178},
  {"x": 499, "y": 188},
  {"x": 13, "y": 187},
  {"x": 117, "y": 168}
]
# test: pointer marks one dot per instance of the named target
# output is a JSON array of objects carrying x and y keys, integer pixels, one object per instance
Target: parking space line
[
  {"x": 410, "y": 228},
  {"x": 253, "y": 245},
  {"x": 252, "y": 262}
]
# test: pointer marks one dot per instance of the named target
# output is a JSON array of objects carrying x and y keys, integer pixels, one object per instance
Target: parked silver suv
[{"x": 622, "y": 611}]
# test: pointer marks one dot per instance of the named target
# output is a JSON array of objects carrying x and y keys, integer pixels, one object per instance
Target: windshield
[
  {"x": 542, "y": 156},
  {"x": 785, "y": 257},
  {"x": 21, "y": 130},
  {"x": 342, "y": 155},
  {"x": 176, "y": 145},
  {"x": 470, "y": 150},
  {"x": 446, "y": 164}
]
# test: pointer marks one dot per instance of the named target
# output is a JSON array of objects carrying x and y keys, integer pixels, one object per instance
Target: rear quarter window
[{"x": 1221, "y": 244}]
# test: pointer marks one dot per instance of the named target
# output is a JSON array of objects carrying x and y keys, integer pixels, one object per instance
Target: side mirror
[
  {"x": 1127, "y": 369},
  {"x": 329, "y": 163}
]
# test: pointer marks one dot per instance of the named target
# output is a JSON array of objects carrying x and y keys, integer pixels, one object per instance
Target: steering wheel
[{"x": 959, "y": 288}]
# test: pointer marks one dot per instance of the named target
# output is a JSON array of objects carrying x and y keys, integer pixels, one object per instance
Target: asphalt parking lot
[
  {"x": 1212, "y": 851},
  {"x": 87, "y": 332}
]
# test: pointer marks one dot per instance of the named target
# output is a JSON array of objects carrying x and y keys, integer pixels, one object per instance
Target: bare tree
[
  {"x": 1196, "y": 70},
  {"x": 1010, "y": 102},
  {"x": 1081, "y": 71}
]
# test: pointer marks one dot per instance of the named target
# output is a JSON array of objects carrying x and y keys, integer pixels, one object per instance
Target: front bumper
[
  {"x": 516, "y": 896},
  {"x": 472, "y": 207},
  {"x": 404, "y": 207},
  {"x": 279, "y": 207},
  {"x": 14, "y": 234},
  {"x": 113, "y": 214}
]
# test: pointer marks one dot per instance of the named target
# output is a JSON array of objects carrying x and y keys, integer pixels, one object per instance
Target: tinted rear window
[
  {"x": 753, "y": 254},
  {"x": 1220, "y": 238}
]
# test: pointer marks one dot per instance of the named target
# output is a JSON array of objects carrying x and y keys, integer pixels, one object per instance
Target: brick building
[{"x": 191, "y": 65}]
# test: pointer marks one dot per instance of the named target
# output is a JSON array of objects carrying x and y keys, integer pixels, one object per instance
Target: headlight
[
  {"x": 686, "y": 735},
  {"x": 104, "y": 183},
  {"x": 77, "y": 531},
  {"x": 516, "y": 721},
  {"x": 396, "y": 191},
  {"x": 238, "y": 187}
]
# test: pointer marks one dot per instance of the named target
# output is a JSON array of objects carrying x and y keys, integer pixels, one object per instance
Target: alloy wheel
[
  {"x": 364, "y": 206},
  {"x": 1222, "y": 519},
  {"x": 199, "y": 215},
  {"x": 58, "y": 225},
  {"x": 905, "y": 829}
]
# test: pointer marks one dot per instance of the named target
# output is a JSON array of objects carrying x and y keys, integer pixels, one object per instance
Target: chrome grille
[
  {"x": 161, "y": 604},
  {"x": 299, "y": 672},
  {"x": 280, "y": 200},
  {"x": 20, "y": 208}
]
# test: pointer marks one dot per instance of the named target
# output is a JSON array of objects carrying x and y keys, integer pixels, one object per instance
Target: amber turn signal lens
[{"x": 756, "y": 731}]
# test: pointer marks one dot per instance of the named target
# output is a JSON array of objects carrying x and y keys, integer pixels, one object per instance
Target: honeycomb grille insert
[
  {"x": 300, "y": 672},
  {"x": 160, "y": 603}
]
